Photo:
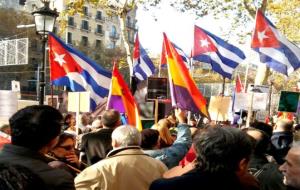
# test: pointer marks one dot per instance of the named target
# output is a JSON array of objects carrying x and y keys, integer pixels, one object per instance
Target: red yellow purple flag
[
  {"x": 121, "y": 99},
  {"x": 184, "y": 92}
]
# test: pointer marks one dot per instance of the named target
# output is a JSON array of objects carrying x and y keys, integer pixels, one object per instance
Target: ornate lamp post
[{"x": 44, "y": 19}]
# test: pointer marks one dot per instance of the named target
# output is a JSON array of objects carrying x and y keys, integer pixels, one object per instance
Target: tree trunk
[{"x": 124, "y": 36}]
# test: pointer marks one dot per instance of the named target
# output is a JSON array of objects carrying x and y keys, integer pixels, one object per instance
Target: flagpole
[{"x": 246, "y": 77}]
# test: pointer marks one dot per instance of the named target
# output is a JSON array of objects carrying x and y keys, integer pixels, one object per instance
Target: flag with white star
[
  {"x": 69, "y": 67},
  {"x": 222, "y": 56},
  {"x": 274, "y": 49}
]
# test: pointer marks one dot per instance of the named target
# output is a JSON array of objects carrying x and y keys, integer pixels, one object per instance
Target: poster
[
  {"x": 79, "y": 101},
  {"x": 8, "y": 103},
  {"x": 219, "y": 107},
  {"x": 288, "y": 101}
]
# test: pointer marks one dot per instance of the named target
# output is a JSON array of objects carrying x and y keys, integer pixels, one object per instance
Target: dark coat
[
  {"x": 196, "y": 179},
  {"x": 55, "y": 179},
  {"x": 281, "y": 142},
  {"x": 96, "y": 145},
  {"x": 269, "y": 177}
]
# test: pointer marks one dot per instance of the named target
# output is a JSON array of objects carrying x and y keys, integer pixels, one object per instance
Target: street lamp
[{"x": 44, "y": 19}]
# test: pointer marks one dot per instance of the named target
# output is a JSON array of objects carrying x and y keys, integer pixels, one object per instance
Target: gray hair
[{"x": 126, "y": 135}]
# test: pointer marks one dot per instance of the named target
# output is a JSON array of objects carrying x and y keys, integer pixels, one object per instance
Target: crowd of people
[{"x": 47, "y": 151}]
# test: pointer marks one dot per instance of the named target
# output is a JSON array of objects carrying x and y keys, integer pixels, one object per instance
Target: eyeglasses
[{"x": 69, "y": 147}]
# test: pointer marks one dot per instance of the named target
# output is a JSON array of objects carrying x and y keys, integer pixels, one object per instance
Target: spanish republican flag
[
  {"x": 121, "y": 99},
  {"x": 184, "y": 92}
]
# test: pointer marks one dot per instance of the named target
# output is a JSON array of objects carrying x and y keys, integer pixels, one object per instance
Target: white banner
[{"x": 8, "y": 103}]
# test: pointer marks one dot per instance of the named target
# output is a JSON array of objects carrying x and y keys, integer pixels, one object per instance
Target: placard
[
  {"x": 79, "y": 101},
  {"x": 8, "y": 103},
  {"x": 157, "y": 88},
  {"x": 243, "y": 101},
  {"x": 218, "y": 108},
  {"x": 288, "y": 101}
]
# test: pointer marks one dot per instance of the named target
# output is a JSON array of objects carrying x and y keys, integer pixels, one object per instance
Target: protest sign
[
  {"x": 79, "y": 101},
  {"x": 288, "y": 101},
  {"x": 219, "y": 107}
]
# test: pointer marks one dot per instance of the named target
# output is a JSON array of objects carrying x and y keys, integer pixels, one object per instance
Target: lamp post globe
[{"x": 44, "y": 19}]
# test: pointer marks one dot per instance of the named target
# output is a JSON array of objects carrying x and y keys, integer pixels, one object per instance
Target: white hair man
[
  {"x": 291, "y": 168},
  {"x": 125, "y": 167}
]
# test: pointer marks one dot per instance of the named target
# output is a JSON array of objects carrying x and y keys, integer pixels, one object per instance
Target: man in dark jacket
[
  {"x": 222, "y": 157},
  {"x": 97, "y": 144},
  {"x": 281, "y": 139},
  {"x": 34, "y": 132},
  {"x": 266, "y": 172}
]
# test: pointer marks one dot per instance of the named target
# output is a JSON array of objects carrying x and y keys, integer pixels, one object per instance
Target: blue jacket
[{"x": 172, "y": 155}]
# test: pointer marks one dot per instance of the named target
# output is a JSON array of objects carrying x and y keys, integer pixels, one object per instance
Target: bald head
[
  {"x": 283, "y": 125},
  {"x": 111, "y": 118}
]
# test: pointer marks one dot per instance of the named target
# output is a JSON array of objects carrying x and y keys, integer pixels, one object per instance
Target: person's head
[
  {"x": 291, "y": 168},
  {"x": 150, "y": 138},
  {"x": 86, "y": 119},
  {"x": 65, "y": 145},
  {"x": 125, "y": 136},
  {"x": 69, "y": 120},
  {"x": 222, "y": 150},
  {"x": 36, "y": 127},
  {"x": 262, "y": 133},
  {"x": 284, "y": 125},
  {"x": 15, "y": 177},
  {"x": 111, "y": 118},
  {"x": 163, "y": 126}
]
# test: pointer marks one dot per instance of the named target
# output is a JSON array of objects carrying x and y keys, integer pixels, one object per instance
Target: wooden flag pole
[{"x": 156, "y": 110}]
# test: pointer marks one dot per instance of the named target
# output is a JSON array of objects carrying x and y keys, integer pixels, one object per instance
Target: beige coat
[{"x": 123, "y": 169}]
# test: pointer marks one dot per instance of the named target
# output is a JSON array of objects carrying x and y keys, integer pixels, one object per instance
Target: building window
[
  {"x": 113, "y": 31},
  {"x": 69, "y": 40},
  {"x": 99, "y": 29},
  {"x": 99, "y": 15},
  {"x": 98, "y": 44},
  {"x": 85, "y": 11},
  {"x": 128, "y": 21},
  {"x": 84, "y": 41},
  {"x": 84, "y": 25},
  {"x": 71, "y": 21},
  {"x": 112, "y": 45}
]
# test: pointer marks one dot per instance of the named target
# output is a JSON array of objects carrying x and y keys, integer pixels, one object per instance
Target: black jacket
[
  {"x": 267, "y": 173},
  {"x": 196, "y": 179},
  {"x": 96, "y": 145},
  {"x": 55, "y": 179}
]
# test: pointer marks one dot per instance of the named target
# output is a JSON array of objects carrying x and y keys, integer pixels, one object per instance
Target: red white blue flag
[
  {"x": 274, "y": 49},
  {"x": 142, "y": 64},
  {"x": 222, "y": 56},
  {"x": 69, "y": 67}
]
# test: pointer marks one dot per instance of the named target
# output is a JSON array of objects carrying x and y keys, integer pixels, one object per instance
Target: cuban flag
[
  {"x": 274, "y": 49},
  {"x": 222, "y": 56},
  {"x": 142, "y": 64},
  {"x": 69, "y": 67}
]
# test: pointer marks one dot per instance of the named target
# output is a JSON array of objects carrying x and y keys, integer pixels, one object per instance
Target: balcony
[
  {"x": 87, "y": 15},
  {"x": 100, "y": 19},
  {"x": 114, "y": 36},
  {"x": 131, "y": 25},
  {"x": 72, "y": 25},
  {"x": 99, "y": 33},
  {"x": 85, "y": 29}
]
